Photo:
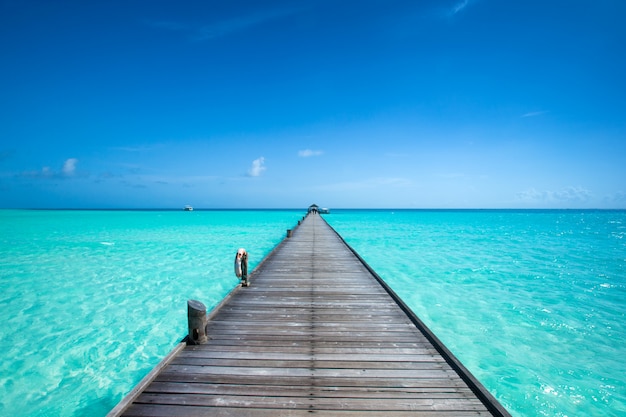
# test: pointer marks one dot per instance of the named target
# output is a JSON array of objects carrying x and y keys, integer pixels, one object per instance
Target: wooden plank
[
  {"x": 160, "y": 410},
  {"x": 298, "y": 391},
  {"x": 316, "y": 332},
  {"x": 320, "y": 403},
  {"x": 377, "y": 357},
  {"x": 314, "y": 383}
]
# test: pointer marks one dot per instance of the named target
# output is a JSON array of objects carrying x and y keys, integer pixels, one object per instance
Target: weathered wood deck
[{"x": 315, "y": 333}]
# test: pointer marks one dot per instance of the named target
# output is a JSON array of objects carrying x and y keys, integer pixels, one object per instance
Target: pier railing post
[
  {"x": 289, "y": 231},
  {"x": 196, "y": 318}
]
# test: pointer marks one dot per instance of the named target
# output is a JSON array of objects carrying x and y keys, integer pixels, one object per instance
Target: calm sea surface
[{"x": 532, "y": 302}]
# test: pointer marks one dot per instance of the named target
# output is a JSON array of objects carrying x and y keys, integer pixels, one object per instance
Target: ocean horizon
[{"x": 532, "y": 301}]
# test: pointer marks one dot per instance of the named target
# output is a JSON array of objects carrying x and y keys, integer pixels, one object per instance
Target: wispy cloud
[
  {"x": 618, "y": 198},
  {"x": 306, "y": 153},
  {"x": 224, "y": 27},
  {"x": 238, "y": 24},
  {"x": 459, "y": 7},
  {"x": 567, "y": 195},
  {"x": 136, "y": 148},
  {"x": 455, "y": 8},
  {"x": 257, "y": 168},
  {"x": 534, "y": 113}
]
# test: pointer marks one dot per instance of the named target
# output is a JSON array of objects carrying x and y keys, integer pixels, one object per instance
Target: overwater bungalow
[{"x": 314, "y": 208}]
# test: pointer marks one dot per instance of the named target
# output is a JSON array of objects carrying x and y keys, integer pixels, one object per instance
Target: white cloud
[
  {"x": 258, "y": 166},
  {"x": 308, "y": 153},
  {"x": 69, "y": 167},
  {"x": 68, "y": 170}
]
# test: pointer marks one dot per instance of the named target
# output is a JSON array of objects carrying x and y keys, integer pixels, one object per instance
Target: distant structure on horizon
[
  {"x": 188, "y": 208},
  {"x": 314, "y": 208}
]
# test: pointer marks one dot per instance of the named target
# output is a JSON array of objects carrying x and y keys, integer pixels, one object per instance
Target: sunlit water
[{"x": 532, "y": 302}]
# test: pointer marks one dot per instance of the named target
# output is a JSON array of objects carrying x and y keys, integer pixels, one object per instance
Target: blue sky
[{"x": 280, "y": 104}]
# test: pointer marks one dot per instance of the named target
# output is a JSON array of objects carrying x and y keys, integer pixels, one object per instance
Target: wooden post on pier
[{"x": 197, "y": 320}]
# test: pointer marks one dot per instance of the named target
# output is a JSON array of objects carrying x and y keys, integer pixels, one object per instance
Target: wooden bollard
[
  {"x": 196, "y": 318},
  {"x": 298, "y": 222},
  {"x": 288, "y": 232}
]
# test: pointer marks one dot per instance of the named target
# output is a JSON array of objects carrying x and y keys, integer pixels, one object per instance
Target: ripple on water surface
[
  {"x": 532, "y": 302},
  {"x": 92, "y": 300}
]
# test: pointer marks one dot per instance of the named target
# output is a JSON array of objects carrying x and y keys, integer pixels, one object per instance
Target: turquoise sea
[{"x": 532, "y": 302}]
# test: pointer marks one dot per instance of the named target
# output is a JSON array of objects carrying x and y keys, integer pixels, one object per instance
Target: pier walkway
[{"x": 318, "y": 333}]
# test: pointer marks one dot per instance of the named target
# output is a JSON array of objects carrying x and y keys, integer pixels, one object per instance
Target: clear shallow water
[
  {"x": 90, "y": 301},
  {"x": 532, "y": 302}
]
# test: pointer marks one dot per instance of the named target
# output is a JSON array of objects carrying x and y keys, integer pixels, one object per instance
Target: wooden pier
[{"x": 317, "y": 332}]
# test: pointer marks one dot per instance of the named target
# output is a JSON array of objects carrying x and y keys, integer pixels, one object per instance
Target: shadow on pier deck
[{"x": 319, "y": 333}]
